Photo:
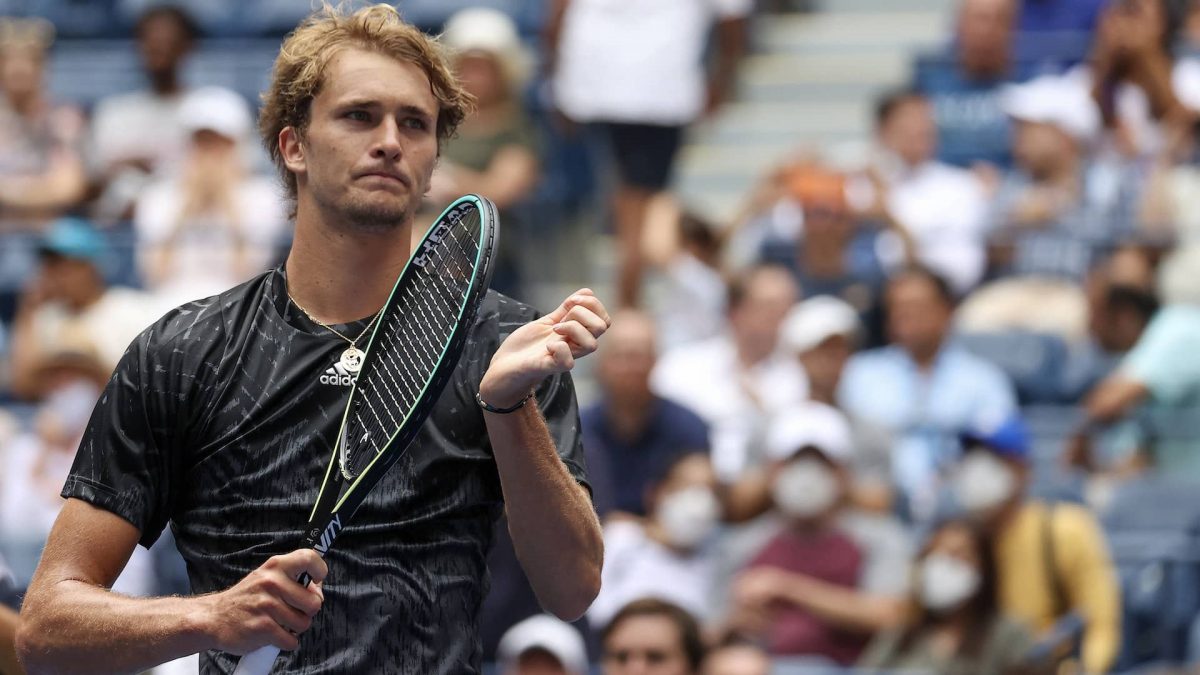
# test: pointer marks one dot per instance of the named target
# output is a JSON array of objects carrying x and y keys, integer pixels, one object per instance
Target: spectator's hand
[
  {"x": 760, "y": 587},
  {"x": 1078, "y": 453},
  {"x": 267, "y": 607}
]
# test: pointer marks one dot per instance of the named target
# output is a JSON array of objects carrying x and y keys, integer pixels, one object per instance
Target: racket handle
[{"x": 258, "y": 662}]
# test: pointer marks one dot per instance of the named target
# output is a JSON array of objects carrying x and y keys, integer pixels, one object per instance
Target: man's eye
[
  {"x": 415, "y": 123},
  {"x": 358, "y": 115}
]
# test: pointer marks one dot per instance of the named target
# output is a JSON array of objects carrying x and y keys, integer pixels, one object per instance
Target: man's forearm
[
  {"x": 75, "y": 627},
  {"x": 8, "y": 636},
  {"x": 554, "y": 529},
  {"x": 847, "y": 608}
]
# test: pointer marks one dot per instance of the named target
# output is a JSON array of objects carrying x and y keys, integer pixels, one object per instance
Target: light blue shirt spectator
[{"x": 926, "y": 411}]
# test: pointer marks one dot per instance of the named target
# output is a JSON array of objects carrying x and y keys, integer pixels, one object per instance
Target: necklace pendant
[{"x": 352, "y": 359}]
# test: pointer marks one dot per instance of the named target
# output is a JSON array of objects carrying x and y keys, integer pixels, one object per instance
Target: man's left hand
[{"x": 543, "y": 347}]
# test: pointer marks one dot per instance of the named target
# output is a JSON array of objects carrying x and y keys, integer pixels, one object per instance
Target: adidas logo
[{"x": 337, "y": 376}]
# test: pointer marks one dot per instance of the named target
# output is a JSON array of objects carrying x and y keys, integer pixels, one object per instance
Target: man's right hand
[{"x": 267, "y": 607}]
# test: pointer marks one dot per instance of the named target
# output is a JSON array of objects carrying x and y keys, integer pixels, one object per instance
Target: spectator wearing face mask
[
  {"x": 1052, "y": 560},
  {"x": 832, "y": 576},
  {"x": 542, "y": 645},
  {"x": 955, "y": 624},
  {"x": 667, "y": 555}
]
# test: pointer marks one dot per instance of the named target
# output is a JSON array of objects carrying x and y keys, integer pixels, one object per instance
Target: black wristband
[{"x": 502, "y": 411}]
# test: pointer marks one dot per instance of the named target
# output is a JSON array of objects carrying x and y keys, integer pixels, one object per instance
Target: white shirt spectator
[
  {"x": 622, "y": 61},
  {"x": 736, "y": 403},
  {"x": 110, "y": 323},
  {"x": 137, "y": 125},
  {"x": 204, "y": 261},
  {"x": 636, "y": 566},
  {"x": 944, "y": 208}
]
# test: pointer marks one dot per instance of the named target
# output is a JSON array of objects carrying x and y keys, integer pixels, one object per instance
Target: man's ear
[{"x": 291, "y": 149}]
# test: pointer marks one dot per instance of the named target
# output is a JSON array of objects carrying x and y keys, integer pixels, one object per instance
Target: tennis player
[{"x": 221, "y": 417}]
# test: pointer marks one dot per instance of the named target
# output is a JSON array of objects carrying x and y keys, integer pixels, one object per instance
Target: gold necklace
[{"x": 352, "y": 358}]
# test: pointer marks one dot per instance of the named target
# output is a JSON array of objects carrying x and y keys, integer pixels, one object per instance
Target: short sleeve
[
  {"x": 120, "y": 466},
  {"x": 1163, "y": 359}
]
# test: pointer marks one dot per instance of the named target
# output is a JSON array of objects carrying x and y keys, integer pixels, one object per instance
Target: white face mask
[
  {"x": 688, "y": 516},
  {"x": 805, "y": 488},
  {"x": 983, "y": 481},
  {"x": 946, "y": 582}
]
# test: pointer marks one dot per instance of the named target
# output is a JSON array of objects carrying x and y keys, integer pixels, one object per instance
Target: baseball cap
[
  {"x": 817, "y": 319},
  {"x": 216, "y": 109},
  {"x": 810, "y": 424},
  {"x": 1009, "y": 437},
  {"x": 1060, "y": 100},
  {"x": 549, "y": 634},
  {"x": 73, "y": 238}
]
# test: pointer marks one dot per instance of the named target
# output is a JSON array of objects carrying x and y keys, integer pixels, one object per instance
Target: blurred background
[{"x": 906, "y": 366}]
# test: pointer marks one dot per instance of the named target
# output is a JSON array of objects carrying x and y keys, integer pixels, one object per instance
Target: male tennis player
[{"x": 221, "y": 417}]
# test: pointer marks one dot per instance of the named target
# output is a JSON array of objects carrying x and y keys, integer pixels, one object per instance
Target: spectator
[
  {"x": 956, "y": 625},
  {"x": 41, "y": 169},
  {"x": 138, "y": 134},
  {"x": 1052, "y": 559},
  {"x": 215, "y": 224},
  {"x": 667, "y": 555},
  {"x": 1158, "y": 372},
  {"x": 71, "y": 378},
  {"x": 1053, "y": 216},
  {"x": 630, "y": 432},
  {"x": 964, "y": 84},
  {"x": 8, "y": 622},
  {"x": 800, "y": 218},
  {"x": 652, "y": 637},
  {"x": 1060, "y": 16},
  {"x": 542, "y": 645},
  {"x": 823, "y": 332},
  {"x": 70, "y": 297},
  {"x": 686, "y": 250},
  {"x": 495, "y": 152},
  {"x": 642, "y": 94},
  {"x": 922, "y": 388},
  {"x": 1169, "y": 211},
  {"x": 738, "y": 379},
  {"x": 939, "y": 209},
  {"x": 833, "y": 575},
  {"x": 736, "y": 658}
]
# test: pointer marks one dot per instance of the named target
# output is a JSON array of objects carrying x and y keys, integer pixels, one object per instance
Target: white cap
[
  {"x": 810, "y": 423},
  {"x": 216, "y": 109},
  {"x": 817, "y": 319},
  {"x": 544, "y": 632},
  {"x": 1061, "y": 100},
  {"x": 488, "y": 30}
]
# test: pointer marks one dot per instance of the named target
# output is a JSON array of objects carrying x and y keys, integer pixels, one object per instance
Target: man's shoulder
[
  {"x": 207, "y": 321},
  {"x": 678, "y": 416}
]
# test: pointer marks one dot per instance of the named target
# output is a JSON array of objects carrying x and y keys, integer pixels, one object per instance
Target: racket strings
[{"x": 408, "y": 345}]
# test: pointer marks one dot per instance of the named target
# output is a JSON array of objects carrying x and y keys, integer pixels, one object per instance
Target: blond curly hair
[{"x": 303, "y": 59}]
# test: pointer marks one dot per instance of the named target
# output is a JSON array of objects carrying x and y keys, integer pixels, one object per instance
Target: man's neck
[
  {"x": 339, "y": 275},
  {"x": 926, "y": 356},
  {"x": 165, "y": 84},
  {"x": 85, "y": 299},
  {"x": 628, "y": 415}
]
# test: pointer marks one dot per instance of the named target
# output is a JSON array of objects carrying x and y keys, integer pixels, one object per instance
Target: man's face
[
  {"x": 66, "y": 279},
  {"x": 21, "y": 71},
  {"x": 627, "y": 357},
  {"x": 757, "y": 318},
  {"x": 918, "y": 317},
  {"x": 163, "y": 44},
  {"x": 537, "y": 662},
  {"x": 824, "y": 363},
  {"x": 368, "y": 151},
  {"x": 1040, "y": 148},
  {"x": 645, "y": 645},
  {"x": 985, "y": 29},
  {"x": 910, "y": 131}
]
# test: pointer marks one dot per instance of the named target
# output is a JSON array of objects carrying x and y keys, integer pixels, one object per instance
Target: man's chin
[{"x": 378, "y": 217}]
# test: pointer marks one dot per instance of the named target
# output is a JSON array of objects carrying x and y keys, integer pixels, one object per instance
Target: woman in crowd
[{"x": 955, "y": 626}]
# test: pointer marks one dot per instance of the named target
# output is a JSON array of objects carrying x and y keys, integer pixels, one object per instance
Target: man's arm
[
  {"x": 841, "y": 606},
  {"x": 730, "y": 47},
  {"x": 72, "y": 623},
  {"x": 554, "y": 529},
  {"x": 8, "y": 637}
]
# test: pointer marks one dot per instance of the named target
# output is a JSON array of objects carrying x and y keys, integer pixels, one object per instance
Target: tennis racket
[{"x": 413, "y": 350}]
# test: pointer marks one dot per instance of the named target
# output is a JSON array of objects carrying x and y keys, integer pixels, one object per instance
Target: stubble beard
[{"x": 359, "y": 215}]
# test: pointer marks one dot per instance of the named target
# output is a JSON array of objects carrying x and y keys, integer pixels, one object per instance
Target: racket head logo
[{"x": 438, "y": 234}]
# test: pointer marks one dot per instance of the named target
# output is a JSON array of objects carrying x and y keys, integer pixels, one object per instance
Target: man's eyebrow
[{"x": 375, "y": 103}]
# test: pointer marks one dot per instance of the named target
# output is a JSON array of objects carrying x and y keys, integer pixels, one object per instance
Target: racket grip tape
[{"x": 259, "y": 661}]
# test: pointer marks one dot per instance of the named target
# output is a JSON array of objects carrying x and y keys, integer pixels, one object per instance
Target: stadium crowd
[{"x": 932, "y": 411}]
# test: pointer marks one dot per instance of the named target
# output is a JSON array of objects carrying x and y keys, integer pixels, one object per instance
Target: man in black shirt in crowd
[{"x": 220, "y": 419}]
